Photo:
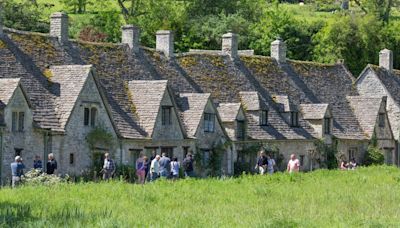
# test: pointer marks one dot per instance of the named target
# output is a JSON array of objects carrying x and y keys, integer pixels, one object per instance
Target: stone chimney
[
  {"x": 165, "y": 42},
  {"x": 230, "y": 44},
  {"x": 386, "y": 59},
  {"x": 59, "y": 26},
  {"x": 278, "y": 50},
  {"x": 130, "y": 36}
]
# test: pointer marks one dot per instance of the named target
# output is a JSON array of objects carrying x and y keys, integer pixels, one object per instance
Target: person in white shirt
[
  {"x": 293, "y": 164},
  {"x": 271, "y": 164},
  {"x": 155, "y": 168}
]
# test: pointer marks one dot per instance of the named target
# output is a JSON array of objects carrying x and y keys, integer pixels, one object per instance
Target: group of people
[
  {"x": 153, "y": 168},
  {"x": 344, "y": 165},
  {"x": 17, "y": 168},
  {"x": 266, "y": 164}
]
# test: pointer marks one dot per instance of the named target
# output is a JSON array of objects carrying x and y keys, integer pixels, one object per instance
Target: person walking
[
  {"x": 293, "y": 164},
  {"x": 140, "y": 169},
  {"x": 343, "y": 164},
  {"x": 37, "y": 163},
  {"x": 353, "y": 164},
  {"x": 17, "y": 170},
  {"x": 188, "y": 165},
  {"x": 51, "y": 166},
  {"x": 262, "y": 163},
  {"x": 165, "y": 167},
  {"x": 146, "y": 168},
  {"x": 155, "y": 168},
  {"x": 271, "y": 164},
  {"x": 108, "y": 167},
  {"x": 175, "y": 168}
]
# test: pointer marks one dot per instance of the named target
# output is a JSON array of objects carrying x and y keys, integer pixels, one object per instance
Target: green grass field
[{"x": 368, "y": 197}]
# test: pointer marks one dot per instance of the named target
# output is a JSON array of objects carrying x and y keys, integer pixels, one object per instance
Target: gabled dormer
[
  {"x": 255, "y": 106},
  {"x": 156, "y": 109},
  {"x": 320, "y": 118},
  {"x": 201, "y": 119},
  {"x": 289, "y": 111},
  {"x": 15, "y": 108},
  {"x": 234, "y": 120}
]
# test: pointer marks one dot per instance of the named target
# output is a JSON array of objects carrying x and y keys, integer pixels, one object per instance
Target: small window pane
[
  {"x": 240, "y": 130},
  {"x": 71, "y": 158},
  {"x": 381, "y": 120},
  {"x": 86, "y": 117},
  {"x": 14, "y": 121},
  {"x": 264, "y": 117},
  {"x": 209, "y": 122},
  {"x": 327, "y": 126},
  {"x": 166, "y": 116},
  {"x": 93, "y": 115},
  {"x": 21, "y": 121}
]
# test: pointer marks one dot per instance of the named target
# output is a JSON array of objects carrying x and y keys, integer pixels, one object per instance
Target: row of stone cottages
[{"x": 54, "y": 92}]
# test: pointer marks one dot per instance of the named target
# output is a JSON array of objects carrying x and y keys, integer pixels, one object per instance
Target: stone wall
[
  {"x": 74, "y": 141},
  {"x": 29, "y": 140}
]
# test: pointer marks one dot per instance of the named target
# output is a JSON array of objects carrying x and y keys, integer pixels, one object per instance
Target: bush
[
  {"x": 374, "y": 156},
  {"x": 37, "y": 177},
  {"x": 126, "y": 172}
]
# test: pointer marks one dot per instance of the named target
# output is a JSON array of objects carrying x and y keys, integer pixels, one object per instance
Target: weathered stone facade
[{"x": 151, "y": 102}]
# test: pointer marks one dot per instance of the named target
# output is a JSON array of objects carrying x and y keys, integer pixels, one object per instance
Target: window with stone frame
[
  {"x": 71, "y": 158},
  {"x": 327, "y": 126},
  {"x": 18, "y": 121},
  {"x": 264, "y": 117},
  {"x": 90, "y": 116},
  {"x": 166, "y": 115},
  {"x": 169, "y": 151},
  {"x": 206, "y": 157},
  {"x": 381, "y": 119},
  {"x": 241, "y": 130},
  {"x": 302, "y": 160},
  {"x": 294, "y": 119},
  {"x": 18, "y": 151},
  {"x": 134, "y": 155},
  {"x": 209, "y": 122},
  {"x": 353, "y": 153}
]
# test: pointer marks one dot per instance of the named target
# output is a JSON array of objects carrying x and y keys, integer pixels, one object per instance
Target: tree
[
  {"x": 379, "y": 8},
  {"x": 77, "y": 6},
  {"x": 24, "y": 15}
]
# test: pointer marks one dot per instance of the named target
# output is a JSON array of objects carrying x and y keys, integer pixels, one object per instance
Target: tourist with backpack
[{"x": 188, "y": 166}]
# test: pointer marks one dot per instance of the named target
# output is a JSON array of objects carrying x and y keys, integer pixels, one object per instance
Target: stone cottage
[
  {"x": 383, "y": 80},
  {"x": 155, "y": 100}
]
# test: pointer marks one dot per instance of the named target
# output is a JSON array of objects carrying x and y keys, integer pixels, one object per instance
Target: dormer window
[
  {"x": 90, "y": 115},
  {"x": 209, "y": 120},
  {"x": 166, "y": 115},
  {"x": 241, "y": 130},
  {"x": 381, "y": 120},
  {"x": 327, "y": 126},
  {"x": 18, "y": 121},
  {"x": 264, "y": 117},
  {"x": 294, "y": 119}
]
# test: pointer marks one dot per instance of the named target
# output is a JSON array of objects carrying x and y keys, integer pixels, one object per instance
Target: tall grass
[{"x": 365, "y": 197}]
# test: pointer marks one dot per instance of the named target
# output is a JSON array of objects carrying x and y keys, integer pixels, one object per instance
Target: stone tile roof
[
  {"x": 302, "y": 82},
  {"x": 192, "y": 106},
  {"x": 313, "y": 111},
  {"x": 283, "y": 103},
  {"x": 252, "y": 101},
  {"x": 7, "y": 88},
  {"x": 146, "y": 97},
  {"x": 366, "y": 110},
  {"x": 228, "y": 111},
  {"x": 391, "y": 80},
  {"x": 67, "y": 83}
]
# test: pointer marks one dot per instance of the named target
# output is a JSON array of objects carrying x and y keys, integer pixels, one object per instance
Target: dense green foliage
[
  {"x": 374, "y": 156},
  {"x": 367, "y": 197},
  {"x": 318, "y": 31}
]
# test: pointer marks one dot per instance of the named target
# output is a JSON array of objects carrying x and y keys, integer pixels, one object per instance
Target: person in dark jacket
[
  {"x": 262, "y": 163},
  {"x": 51, "y": 166},
  {"x": 188, "y": 165}
]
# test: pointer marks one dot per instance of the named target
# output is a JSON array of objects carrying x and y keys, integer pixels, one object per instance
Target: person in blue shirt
[
  {"x": 17, "y": 170},
  {"x": 165, "y": 166},
  {"x": 37, "y": 163}
]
